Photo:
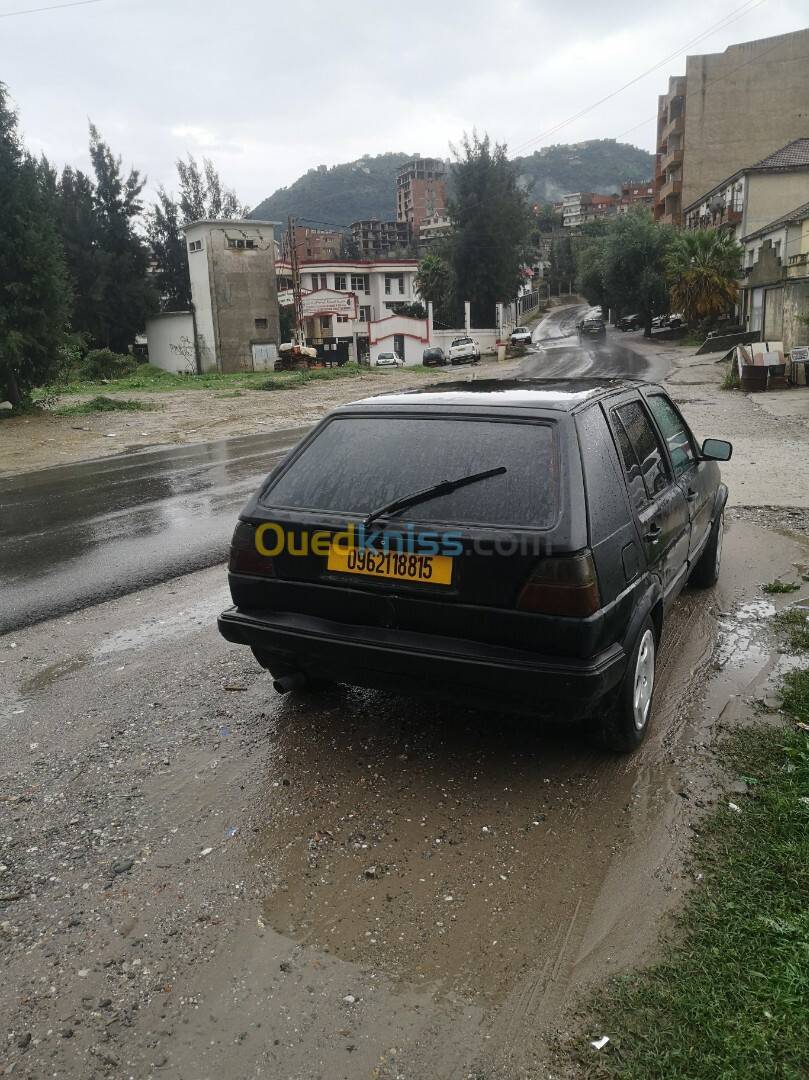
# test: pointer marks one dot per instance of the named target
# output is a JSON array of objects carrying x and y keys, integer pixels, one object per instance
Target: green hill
[
  {"x": 367, "y": 188},
  {"x": 339, "y": 195}
]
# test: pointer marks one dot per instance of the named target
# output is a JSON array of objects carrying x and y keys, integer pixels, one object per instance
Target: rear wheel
[
  {"x": 706, "y": 572},
  {"x": 624, "y": 727}
]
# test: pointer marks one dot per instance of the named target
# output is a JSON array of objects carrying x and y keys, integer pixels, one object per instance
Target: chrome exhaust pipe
[{"x": 285, "y": 683}]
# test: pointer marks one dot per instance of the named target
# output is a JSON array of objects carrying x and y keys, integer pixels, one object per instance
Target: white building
[
  {"x": 233, "y": 288},
  {"x": 350, "y": 307}
]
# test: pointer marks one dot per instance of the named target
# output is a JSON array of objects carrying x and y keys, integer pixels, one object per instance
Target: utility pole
[{"x": 297, "y": 293}]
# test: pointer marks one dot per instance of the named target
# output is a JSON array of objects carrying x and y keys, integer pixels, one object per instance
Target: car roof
[{"x": 558, "y": 395}]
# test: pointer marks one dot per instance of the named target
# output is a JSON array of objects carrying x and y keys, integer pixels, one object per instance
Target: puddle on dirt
[
  {"x": 47, "y": 676},
  {"x": 156, "y": 629}
]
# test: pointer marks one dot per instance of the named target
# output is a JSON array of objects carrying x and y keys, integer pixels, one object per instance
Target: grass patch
[
  {"x": 152, "y": 380},
  {"x": 780, "y": 587},
  {"x": 794, "y": 624},
  {"x": 729, "y": 1000},
  {"x": 731, "y": 381},
  {"x": 102, "y": 404}
]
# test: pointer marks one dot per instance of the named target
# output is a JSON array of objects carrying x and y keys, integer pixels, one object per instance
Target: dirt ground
[
  {"x": 186, "y": 416},
  {"x": 202, "y": 879}
]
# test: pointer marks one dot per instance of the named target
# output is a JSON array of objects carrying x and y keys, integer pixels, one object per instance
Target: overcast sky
[{"x": 269, "y": 90}]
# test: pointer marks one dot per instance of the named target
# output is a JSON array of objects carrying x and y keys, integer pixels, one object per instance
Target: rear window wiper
[{"x": 444, "y": 487}]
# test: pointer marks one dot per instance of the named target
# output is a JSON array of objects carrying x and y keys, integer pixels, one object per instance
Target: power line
[
  {"x": 52, "y": 7},
  {"x": 737, "y": 13}
]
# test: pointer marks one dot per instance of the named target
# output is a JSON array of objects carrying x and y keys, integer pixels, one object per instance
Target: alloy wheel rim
[{"x": 644, "y": 680}]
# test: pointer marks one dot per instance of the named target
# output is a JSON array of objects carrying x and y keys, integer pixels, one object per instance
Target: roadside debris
[{"x": 599, "y": 1044}]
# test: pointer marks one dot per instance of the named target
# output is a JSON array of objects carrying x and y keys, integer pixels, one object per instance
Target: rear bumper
[{"x": 406, "y": 662}]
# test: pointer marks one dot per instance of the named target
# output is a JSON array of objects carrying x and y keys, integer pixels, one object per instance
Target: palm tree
[
  {"x": 433, "y": 283},
  {"x": 702, "y": 272}
]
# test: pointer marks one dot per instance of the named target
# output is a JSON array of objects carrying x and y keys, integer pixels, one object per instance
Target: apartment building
[
  {"x": 635, "y": 193},
  {"x": 579, "y": 207},
  {"x": 728, "y": 109}
]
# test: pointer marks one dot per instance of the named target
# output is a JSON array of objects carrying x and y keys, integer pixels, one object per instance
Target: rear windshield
[{"x": 356, "y": 464}]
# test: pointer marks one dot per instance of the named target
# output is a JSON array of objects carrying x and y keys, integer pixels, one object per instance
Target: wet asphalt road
[{"x": 80, "y": 534}]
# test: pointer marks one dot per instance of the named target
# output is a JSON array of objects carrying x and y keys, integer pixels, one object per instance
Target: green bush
[{"x": 104, "y": 364}]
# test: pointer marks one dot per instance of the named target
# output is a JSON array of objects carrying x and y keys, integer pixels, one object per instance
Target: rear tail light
[
  {"x": 245, "y": 557},
  {"x": 562, "y": 586}
]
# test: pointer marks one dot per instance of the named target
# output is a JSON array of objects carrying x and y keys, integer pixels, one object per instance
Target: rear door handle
[
  {"x": 690, "y": 495},
  {"x": 653, "y": 533}
]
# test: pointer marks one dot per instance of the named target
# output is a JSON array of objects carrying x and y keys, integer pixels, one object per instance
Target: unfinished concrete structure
[{"x": 234, "y": 293}]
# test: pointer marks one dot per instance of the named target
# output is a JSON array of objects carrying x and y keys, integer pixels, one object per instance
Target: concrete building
[
  {"x": 668, "y": 178},
  {"x": 579, "y": 207},
  {"x": 374, "y": 238},
  {"x": 313, "y": 244},
  {"x": 730, "y": 108},
  {"x": 434, "y": 227},
  {"x": 635, "y": 193},
  {"x": 233, "y": 288},
  {"x": 752, "y": 197},
  {"x": 774, "y": 296},
  {"x": 420, "y": 192}
]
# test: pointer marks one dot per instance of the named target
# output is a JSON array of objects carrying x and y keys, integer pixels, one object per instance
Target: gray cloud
[{"x": 268, "y": 90}]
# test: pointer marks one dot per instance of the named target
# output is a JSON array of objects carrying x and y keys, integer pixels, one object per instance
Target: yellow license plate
[{"x": 427, "y": 569}]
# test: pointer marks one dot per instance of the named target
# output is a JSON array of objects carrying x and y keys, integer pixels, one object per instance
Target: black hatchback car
[
  {"x": 434, "y": 357},
  {"x": 592, "y": 329},
  {"x": 526, "y": 566}
]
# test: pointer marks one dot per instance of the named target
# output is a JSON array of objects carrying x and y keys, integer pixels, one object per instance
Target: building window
[
  {"x": 250, "y": 244},
  {"x": 394, "y": 283},
  {"x": 342, "y": 318},
  {"x": 195, "y": 245},
  {"x": 261, "y": 324},
  {"x": 364, "y": 314},
  {"x": 340, "y": 282},
  {"x": 359, "y": 283},
  {"x": 325, "y": 322}
]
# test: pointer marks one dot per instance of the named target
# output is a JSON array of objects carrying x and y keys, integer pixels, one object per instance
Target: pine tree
[
  {"x": 35, "y": 294},
  {"x": 491, "y": 222}
]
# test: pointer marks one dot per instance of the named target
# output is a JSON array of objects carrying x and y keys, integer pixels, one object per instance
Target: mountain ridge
[{"x": 366, "y": 188}]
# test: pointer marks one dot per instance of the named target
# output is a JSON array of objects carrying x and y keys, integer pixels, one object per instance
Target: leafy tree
[
  {"x": 35, "y": 294},
  {"x": 434, "y": 284},
  {"x": 561, "y": 270},
  {"x": 202, "y": 195},
  {"x": 702, "y": 271},
  {"x": 412, "y": 311},
  {"x": 626, "y": 270},
  {"x": 166, "y": 240},
  {"x": 491, "y": 220}
]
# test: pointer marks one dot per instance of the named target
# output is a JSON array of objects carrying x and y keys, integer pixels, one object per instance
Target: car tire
[
  {"x": 624, "y": 726},
  {"x": 706, "y": 572}
]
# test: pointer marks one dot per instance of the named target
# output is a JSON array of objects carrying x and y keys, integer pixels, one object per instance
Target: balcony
[
  {"x": 674, "y": 158},
  {"x": 673, "y": 127},
  {"x": 798, "y": 265},
  {"x": 677, "y": 88},
  {"x": 671, "y": 187}
]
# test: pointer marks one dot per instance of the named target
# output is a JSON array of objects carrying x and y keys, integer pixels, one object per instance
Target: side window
[
  {"x": 675, "y": 432},
  {"x": 646, "y": 452},
  {"x": 634, "y": 480}
]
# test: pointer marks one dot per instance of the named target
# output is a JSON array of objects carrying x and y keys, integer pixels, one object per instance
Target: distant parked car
[
  {"x": 389, "y": 359},
  {"x": 434, "y": 357},
  {"x": 629, "y": 322},
  {"x": 675, "y": 320},
  {"x": 521, "y": 335},
  {"x": 464, "y": 350}
]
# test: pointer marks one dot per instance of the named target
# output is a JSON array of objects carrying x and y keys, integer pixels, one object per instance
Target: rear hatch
[{"x": 455, "y": 565}]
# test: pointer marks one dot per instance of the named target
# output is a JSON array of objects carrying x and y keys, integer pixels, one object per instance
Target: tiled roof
[
  {"x": 794, "y": 153},
  {"x": 794, "y": 216}
]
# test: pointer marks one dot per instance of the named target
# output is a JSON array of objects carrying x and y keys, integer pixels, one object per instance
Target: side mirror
[{"x": 717, "y": 450}]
